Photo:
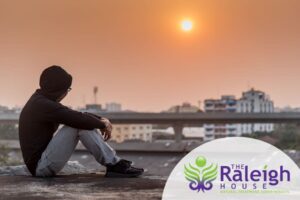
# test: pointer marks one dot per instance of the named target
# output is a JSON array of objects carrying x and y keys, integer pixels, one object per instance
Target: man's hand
[{"x": 106, "y": 132}]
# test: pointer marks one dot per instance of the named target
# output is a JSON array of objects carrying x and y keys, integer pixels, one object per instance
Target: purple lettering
[
  {"x": 282, "y": 172},
  {"x": 225, "y": 171},
  {"x": 255, "y": 175}
]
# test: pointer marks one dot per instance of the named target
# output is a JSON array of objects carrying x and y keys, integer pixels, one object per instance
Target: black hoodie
[{"x": 42, "y": 115}]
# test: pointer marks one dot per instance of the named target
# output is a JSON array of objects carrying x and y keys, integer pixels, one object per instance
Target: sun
[{"x": 186, "y": 25}]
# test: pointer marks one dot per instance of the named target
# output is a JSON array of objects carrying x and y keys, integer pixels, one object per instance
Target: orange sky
[{"x": 137, "y": 55}]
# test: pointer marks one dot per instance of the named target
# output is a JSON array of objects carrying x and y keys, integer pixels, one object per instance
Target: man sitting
[{"x": 44, "y": 154}]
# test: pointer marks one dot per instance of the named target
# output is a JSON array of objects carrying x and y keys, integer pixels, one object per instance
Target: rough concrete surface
[{"x": 81, "y": 186}]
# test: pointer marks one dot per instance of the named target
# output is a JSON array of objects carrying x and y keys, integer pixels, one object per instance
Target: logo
[
  {"x": 234, "y": 168},
  {"x": 201, "y": 175}
]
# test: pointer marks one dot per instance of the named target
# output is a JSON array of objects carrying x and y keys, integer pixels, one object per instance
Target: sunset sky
[{"x": 137, "y": 54}]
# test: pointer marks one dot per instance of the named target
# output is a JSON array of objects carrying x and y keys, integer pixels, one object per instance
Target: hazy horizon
[{"x": 137, "y": 55}]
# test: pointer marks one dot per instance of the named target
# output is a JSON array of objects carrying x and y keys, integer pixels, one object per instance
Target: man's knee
[
  {"x": 66, "y": 132},
  {"x": 94, "y": 133},
  {"x": 82, "y": 131},
  {"x": 69, "y": 128}
]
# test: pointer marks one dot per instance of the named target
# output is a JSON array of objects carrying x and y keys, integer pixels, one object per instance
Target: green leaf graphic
[
  {"x": 201, "y": 174},
  {"x": 190, "y": 174},
  {"x": 211, "y": 173}
]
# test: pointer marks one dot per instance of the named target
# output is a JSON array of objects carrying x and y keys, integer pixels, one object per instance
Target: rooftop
[{"x": 81, "y": 186}]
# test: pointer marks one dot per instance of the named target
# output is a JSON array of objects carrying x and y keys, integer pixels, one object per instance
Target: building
[
  {"x": 109, "y": 107},
  {"x": 252, "y": 101},
  {"x": 4, "y": 109},
  {"x": 195, "y": 133},
  {"x": 184, "y": 108},
  {"x": 93, "y": 108},
  {"x": 123, "y": 132},
  {"x": 188, "y": 132},
  {"x": 113, "y": 107},
  {"x": 255, "y": 101},
  {"x": 287, "y": 109},
  {"x": 227, "y": 103}
]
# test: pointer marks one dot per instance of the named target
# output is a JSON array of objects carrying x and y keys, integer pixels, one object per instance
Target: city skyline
[
  {"x": 186, "y": 105},
  {"x": 135, "y": 52}
]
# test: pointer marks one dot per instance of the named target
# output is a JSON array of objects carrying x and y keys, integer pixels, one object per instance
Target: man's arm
[
  {"x": 106, "y": 132},
  {"x": 64, "y": 115},
  {"x": 97, "y": 116}
]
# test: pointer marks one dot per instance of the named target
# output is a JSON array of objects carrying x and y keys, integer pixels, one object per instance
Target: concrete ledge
[
  {"x": 184, "y": 146},
  {"x": 89, "y": 186}
]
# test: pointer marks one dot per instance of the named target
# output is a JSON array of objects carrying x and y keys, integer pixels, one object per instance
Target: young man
[{"x": 44, "y": 154}]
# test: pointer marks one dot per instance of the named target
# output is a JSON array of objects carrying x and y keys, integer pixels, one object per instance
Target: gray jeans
[{"x": 62, "y": 145}]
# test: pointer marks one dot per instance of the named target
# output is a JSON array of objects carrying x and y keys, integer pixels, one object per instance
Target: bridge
[{"x": 180, "y": 120}]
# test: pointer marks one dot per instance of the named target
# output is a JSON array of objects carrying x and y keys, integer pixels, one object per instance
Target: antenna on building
[{"x": 95, "y": 91}]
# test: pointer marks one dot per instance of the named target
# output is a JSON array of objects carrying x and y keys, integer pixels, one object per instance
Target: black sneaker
[{"x": 123, "y": 169}]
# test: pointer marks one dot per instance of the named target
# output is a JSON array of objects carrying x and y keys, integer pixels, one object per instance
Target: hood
[{"x": 54, "y": 81}]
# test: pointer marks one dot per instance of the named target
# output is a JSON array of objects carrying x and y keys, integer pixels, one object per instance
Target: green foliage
[
  {"x": 9, "y": 132},
  {"x": 3, "y": 156},
  {"x": 6, "y": 160},
  {"x": 287, "y": 136}
]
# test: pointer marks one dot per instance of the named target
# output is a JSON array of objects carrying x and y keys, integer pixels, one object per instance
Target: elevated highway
[{"x": 180, "y": 120}]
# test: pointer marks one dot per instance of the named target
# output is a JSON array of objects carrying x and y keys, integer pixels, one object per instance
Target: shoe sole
[{"x": 119, "y": 175}]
